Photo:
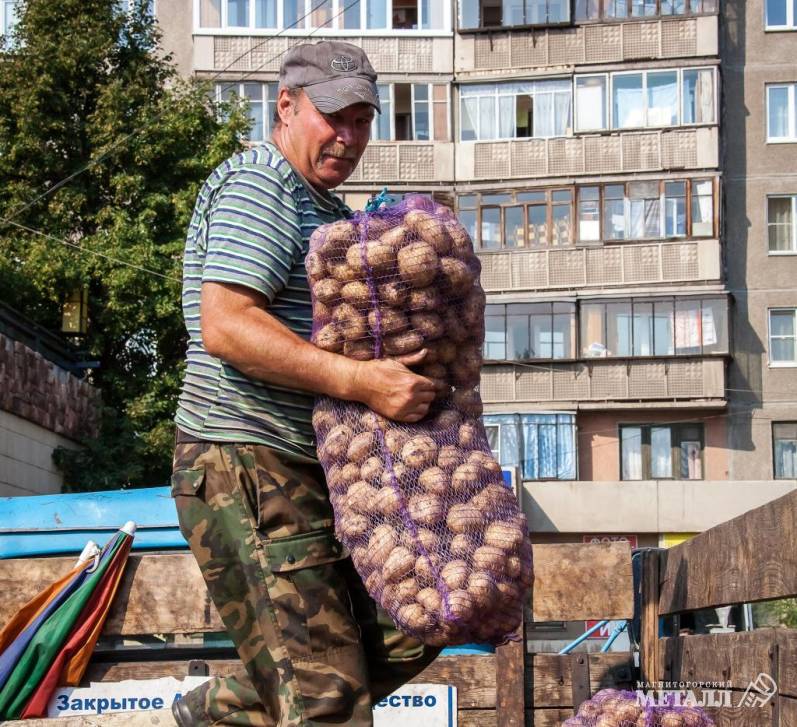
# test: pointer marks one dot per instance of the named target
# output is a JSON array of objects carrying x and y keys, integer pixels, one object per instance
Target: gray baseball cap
[{"x": 333, "y": 74}]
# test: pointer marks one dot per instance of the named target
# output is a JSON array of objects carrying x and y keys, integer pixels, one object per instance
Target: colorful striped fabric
[{"x": 251, "y": 226}]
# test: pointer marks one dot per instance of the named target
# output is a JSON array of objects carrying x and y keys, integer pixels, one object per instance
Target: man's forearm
[{"x": 260, "y": 346}]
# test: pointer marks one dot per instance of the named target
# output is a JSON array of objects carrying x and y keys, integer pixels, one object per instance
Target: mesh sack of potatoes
[
  {"x": 616, "y": 708},
  {"x": 437, "y": 537}
]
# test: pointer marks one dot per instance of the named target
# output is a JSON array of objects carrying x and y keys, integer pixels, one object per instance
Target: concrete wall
[
  {"x": 599, "y": 440},
  {"x": 26, "y": 465},
  {"x": 759, "y": 394},
  {"x": 175, "y": 20}
]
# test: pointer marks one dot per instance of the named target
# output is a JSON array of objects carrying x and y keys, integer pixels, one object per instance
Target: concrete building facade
[{"x": 611, "y": 161}]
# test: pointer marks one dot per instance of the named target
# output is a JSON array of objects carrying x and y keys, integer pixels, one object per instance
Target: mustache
[{"x": 339, "y": 151}]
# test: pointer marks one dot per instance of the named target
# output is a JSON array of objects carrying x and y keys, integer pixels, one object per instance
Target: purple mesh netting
[
  {"x": 438, "y": 539},
  {"x": 616, "y": 708}
]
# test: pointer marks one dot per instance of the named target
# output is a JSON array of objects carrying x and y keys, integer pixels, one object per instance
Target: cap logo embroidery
[{"x": 343, "y": 64}]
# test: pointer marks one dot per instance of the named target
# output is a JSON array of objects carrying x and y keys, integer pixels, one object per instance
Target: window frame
[
  {"x": 481, "y": 28},
  {"x": 572, "y": 343},
  {"x": 791, "y": 109},
  {"x": 791, "y": 20},
  {"x": 5, "y": 29},
  {"x": 781, "y": 364},
  {"x": 335, "y": 29},
  {"x": 606, "y": 102},
  {"x": 775, "y": 475},
  {"x": 677, "y": 440},
  {"x": 628, "y": 17},
  {"x": 430, "y": 106},
  {"x": 265, "y": 102},
  {"x": 793, "y": 250}
]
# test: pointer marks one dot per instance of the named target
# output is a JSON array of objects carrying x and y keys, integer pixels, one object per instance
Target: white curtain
[
  {"x": 632, "y": 453},
  {"x": 506, "y": 117},
  {"x": 660, "y": 452}
]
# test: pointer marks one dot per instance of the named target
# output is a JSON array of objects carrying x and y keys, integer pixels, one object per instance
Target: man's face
[{"x": 326, "y": 147}]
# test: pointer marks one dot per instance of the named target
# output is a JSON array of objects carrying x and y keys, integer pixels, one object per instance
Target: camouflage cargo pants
[{"x": 315, "y": 647}]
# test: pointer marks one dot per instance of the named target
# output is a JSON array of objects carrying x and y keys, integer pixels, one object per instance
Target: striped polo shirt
[{"x": 251, "y": 226}]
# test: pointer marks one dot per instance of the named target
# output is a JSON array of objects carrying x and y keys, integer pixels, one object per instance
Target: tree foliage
[{"x": 87, "y": 95}]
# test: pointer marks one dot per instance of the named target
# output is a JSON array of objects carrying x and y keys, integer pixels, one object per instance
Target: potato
[
  {"x": 353, "y": 526},
  {"x": 629, "y": 711},
  {"x": 323, "y": 419},
  {"x": 361, "y": 558},
  {"x": 434, "y": 371},
  {"x": 426, "y": 509},
  {"x": 463, "y": 519},
  {"x": 509, "y": 593},
  {"x": 387, "y": 501},
  {"x": 394, "y": 238},
  {"x": 671, "y": 720},
  {"x": 360, "y": 497},
  {"x": 503, "y": 535},
  {"x": 461, "y": 244},
  {"x": 393, "y": 293},
  {"x": 329, "y": 338},
  {"x": 486, "y": 461},
  {"x": 374, "y": 582},
  {"x": 362, "y": 350},
  {"x": 494, "y": 498},
  {"x": 395, "y": 475},
  {"x": 455, "y": 327},
  {"x": 381, "y": 544},
  {"x": 465, "y": 478},
  {"x": 481, "y": 587},
  {"x": 430, "y": 229},
  {"x": 372, "y": 469},
  {"x": 430, "y": 599},
  {"x": 337, "y": 441},
  {"x": 337, "y": 237},
  {"x": 426, "y": 567},
  {"x": 361, "y": 447},
  {"x": 434, "y": 480},
  {"x": 356, "y": 293},
  {"x": 450, "y": 457},
  {"x": 424, "y": 299},
  {"x": 322, "y": 313},
  {"x": 514, "y": 567},
  {"x": 372, "y": 421},
  {"x": 466, "y": 369},
  {"x": 418, "y": 264},
  {"x": 418, "y": 452},
  {"x": 429, "y": 325},
  {"x": 327, "y": 290},
  {"x": 387, "y": 321},
  {"x": 380, "y": 256},
  {"x": 342, "y": 272},
  {"x": 446, "y": 419},
  {"x": 692, "y": 717},
  {"x": 401, "y": 344},
  {"x": 446, "y": 350},
  {"x": 315, "y": 267},
  {"x": 456, "y": 275},
  {"x": 398, "y": 564},
  {"x": 350, "y": 322},
  {"x": 455, "y": 574},
  {"x": 472, "y": 309},
  {"x": 468, "y": 432},
  {"x": 489, "y": 558},
  {"x": 406, "y": 590},
  {"x": 395, "y": 439},
  {"x": 468, "y": 402},
  {"x": 460, "y": 605},
  {"x": 339, "y": 478},
  {"x": 421, "y": 539},
  {"x": 462, "y": 546},
  {"x": 414, "y": 617}
]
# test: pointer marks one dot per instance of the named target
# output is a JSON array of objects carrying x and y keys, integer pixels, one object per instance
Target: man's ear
[{"x": 285, "y": 105}]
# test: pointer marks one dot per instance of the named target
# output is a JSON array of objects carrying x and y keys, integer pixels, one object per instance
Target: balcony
[
  {"x": 405, "y": 161},
  {"x": 650, "y": 506},
  {"x": 585, "y": 267},
  {"x": 388, "y": 54},
  {"x": 606, "y": 383},
  {"x": 636, "y": 151},
  {"x": 514, "y": 53}
]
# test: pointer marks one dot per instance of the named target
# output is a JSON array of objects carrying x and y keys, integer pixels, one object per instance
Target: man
[{"x": 250, "y": 494}]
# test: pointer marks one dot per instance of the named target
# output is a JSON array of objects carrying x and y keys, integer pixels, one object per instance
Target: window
[
  {"x": 519, "y": 219},
  {"x": 262, "y": 100},
  {"x": 702, "y": 208},
  {"x": 661, "y": 452},
  {"x": 542, "y": 445},
  {"x": 493, "y": 432},
  {"x": 780, "y": 224},
  {"x": 9, "y": 10},
  {"x": 515, "y": 110},
  {"x": 331, "y": 14},
  {"x": 475, "y": 14},
  {"x": 651, "y": 98},
  {"x": 784, "y": 450},
  {"x": 591, "y": 111},
  {"x": 781, "y": 113},
  {"x": 782, "y": 333},
  {"x": 781, "y": 15},
  {"x": 527, "y": 331},
  {"x": 411, "y": 112},
  {"x": 663, "y": 327},
  {"x": 618, "y": 9}
]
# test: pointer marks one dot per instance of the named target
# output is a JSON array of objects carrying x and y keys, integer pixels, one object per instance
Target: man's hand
[{"x": 389, "y": 388}]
